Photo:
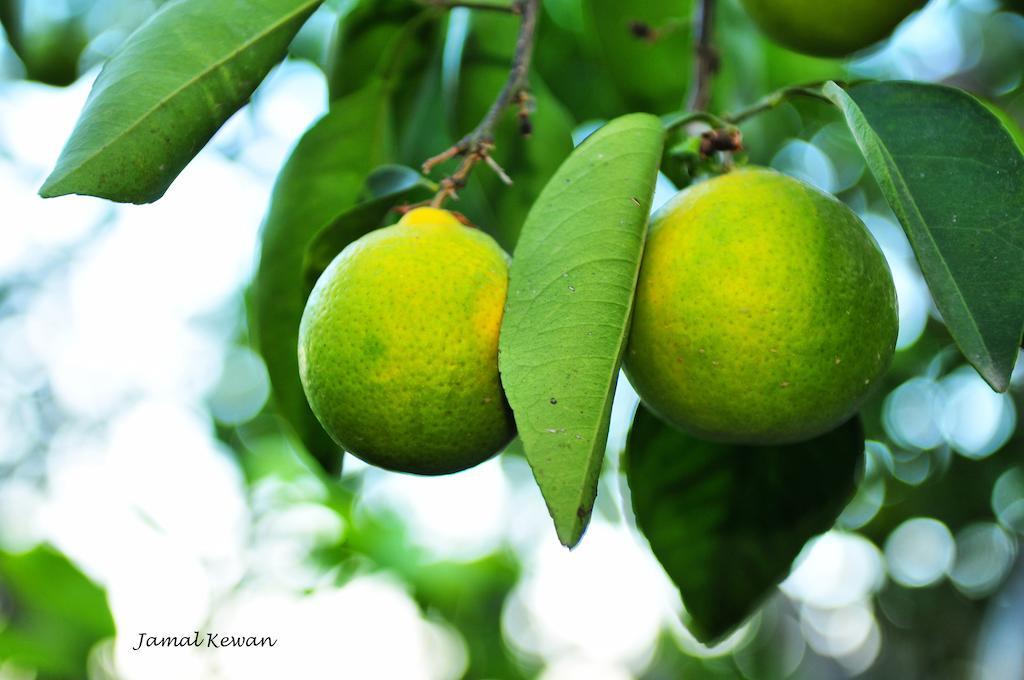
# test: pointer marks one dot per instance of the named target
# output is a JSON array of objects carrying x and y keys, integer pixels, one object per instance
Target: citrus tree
[{"x": 754, "y": 312}]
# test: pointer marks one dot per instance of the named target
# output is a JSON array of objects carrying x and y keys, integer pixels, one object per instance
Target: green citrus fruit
[
  {"x": 398, "y": 346},
  {"x": 829, "y": 28},
  {"x": 764, "y": 311}
]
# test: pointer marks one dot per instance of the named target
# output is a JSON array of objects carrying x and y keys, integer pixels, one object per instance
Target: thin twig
[
  {"x": 770, "y": 101},
  {"x": 684, "y": 118},
  {"x": 477, "y": 145},
  {"x": 775, "y": 99},
  {"x": 470, "y": 4},
  {"x": 706, "y": 63}
]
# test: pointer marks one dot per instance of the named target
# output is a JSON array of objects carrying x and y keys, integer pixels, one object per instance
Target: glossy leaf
[
  {"x": 53, "y": 614},
  {"x": 321, "y": 180},
  {"x": 726, "y": 521},
  {"x": 570, "y": 295},
  {"x": 954, "y": 176},
  {"x": 387, "y": 188},
  {"x": 167, "y": 90}
]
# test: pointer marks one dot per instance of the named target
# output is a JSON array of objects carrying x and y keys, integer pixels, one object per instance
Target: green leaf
[
  {"x": 167, "y": 90},
  {"x": 10, "y": 21},
  {"x": 570, "y": 296},
  {"x": 651, "y": 75},
  {"x": 530, "y": 161},
  {"x": 376, "y": 32},
  {"x": 53, "y": 613},
  {"x": 726, "y": 521},
  {"x": 388, "y": 187},
  {"x": 476, "y": 71},
  {"x": 321, "y": 180},
  {"x": 954, "y": 176},
  {"x": 48, "y": 46}
]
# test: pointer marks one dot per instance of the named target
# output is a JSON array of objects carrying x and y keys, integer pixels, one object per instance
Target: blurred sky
[{"x": 131, "y": 317}]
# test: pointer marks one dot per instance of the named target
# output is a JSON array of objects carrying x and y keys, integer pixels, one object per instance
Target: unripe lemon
[
  {"x": 764, "y": 311},
  {"x": 398, "y": 346},
  {"x": 829, "y": 28}
]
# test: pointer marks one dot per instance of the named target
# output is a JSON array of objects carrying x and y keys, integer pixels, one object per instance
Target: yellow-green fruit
[
  {"x": 829, "y": 28},
  {"x": 764, "y": 311},
  {"x": 398, "y": 346}
]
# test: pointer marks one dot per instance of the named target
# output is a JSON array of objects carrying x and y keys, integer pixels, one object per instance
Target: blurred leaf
[
  {"x": 53, "y": 613},
  {"x": 388, "y": 188},
  {"x": 954, "y": 176},
  {"x": 321, "y": 180},
  {"x": 570, "y": 295},
  {"x": 471, "y": 597},
  {"x": 569, "y": 59},
  {"x": 726, "y": 521},
  {"x": 371, "y": 29},
  {"x": 426, "y": 130},
  {"x": 10, "y": 21},
  {"x": 51, "y": 49},
  {"x": 651, "y": 75},
  {"x": 529, "y": 160},
  {"x": 167, "y": 90}
]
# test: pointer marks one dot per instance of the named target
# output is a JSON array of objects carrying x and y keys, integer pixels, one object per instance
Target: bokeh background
[{"x": 146, "y": 484}]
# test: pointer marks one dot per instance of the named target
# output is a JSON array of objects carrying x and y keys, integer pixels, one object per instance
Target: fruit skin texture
[
  {"x": 764, "y": 311},
  {"x": 829, "y": 28},
  {"x": 398, "y": 346}
]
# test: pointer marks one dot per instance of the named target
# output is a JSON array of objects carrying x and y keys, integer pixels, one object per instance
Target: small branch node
[
  {"x": 478, "y": 144},
  {"x": 721, "y": 139},
  {"x": 498, "y": 170}
]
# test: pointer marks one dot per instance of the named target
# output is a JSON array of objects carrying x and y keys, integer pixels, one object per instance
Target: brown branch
[
  {"x": 706, "y": 61},
  {"x": 477, "y": 145}
]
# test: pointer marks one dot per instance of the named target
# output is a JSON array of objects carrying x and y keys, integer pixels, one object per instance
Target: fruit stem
[
  {"x": 707, "y": 61},
  {"x": 478, "y": 144}
]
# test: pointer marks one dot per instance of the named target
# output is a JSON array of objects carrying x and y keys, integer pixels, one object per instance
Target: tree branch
[
  {"x": 706, "y": 63},
  {"x": 775, "y": 99},
  {"x": 477, "y": 145}
]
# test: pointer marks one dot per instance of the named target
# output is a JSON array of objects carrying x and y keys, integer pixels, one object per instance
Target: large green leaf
[
  {"x": 954, "y": 176},
  {"x": 321, "y": 180},
  {"x": 570, "y": 296},
  {"x": 167, "y": 90},
  {"x": 53, "y": 613},
  {"x": 726, "y": 521}
]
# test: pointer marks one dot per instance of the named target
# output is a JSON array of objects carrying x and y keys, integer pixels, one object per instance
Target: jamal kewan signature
[{"x": 197, "y": 639}]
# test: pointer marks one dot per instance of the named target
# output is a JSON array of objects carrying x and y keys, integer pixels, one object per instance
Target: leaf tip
[
  {"x": 51, "y": 188},
  {"x": 570, "y": 533},
  {"x": 710, "y": 632},
  {"x": 999, "y": 381}
]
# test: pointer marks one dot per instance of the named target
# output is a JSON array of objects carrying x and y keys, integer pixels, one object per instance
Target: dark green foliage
[{"x": 726, "y": 521}]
